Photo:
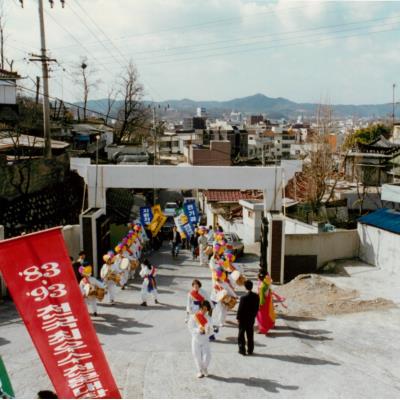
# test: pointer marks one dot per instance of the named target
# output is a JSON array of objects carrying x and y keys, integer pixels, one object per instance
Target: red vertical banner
[{"x": 37, "y": 271}]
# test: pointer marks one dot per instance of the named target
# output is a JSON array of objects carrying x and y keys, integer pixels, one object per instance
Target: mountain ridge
[{"x": 278, "y": 107}]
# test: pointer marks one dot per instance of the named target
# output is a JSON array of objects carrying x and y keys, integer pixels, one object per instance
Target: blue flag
[
  {"x": 146, "y": 216},
  {"x": 191, "y": 212}
]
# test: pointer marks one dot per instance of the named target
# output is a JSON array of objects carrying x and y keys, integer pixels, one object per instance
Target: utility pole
[
  {"x": 394, "y": 103},
  {"x": 155, "y": 149},
  {"x": 45, "y": 75},
  {"x": 37, "y": 89}
]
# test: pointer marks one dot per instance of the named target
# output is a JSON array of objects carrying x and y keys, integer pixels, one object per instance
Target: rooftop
[
  {"x": 384, "y": 218},
  {"x": 231, "y": 196},
  {"x": 8, "y": 142}
]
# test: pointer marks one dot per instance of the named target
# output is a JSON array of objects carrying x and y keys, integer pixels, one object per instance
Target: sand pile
[{"x": 312, "y": 295}]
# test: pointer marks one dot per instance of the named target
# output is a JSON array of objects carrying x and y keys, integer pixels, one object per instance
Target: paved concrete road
[{"x": 149, "y": 349}]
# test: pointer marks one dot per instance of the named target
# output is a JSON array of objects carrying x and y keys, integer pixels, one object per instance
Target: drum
[
  {"x": 208, "y": 251},
  {"x": 134, "y": 264},
  {"x": 229, "y": 301},
  {"x": 100, "y": 293},
  {"x": 124, "y": 264},
  {"x": 114, "y": 277},
  {"x": 241, "y": 280},
  {"x": 238, "y": 278},
  {"x": 91, "y": 291}
]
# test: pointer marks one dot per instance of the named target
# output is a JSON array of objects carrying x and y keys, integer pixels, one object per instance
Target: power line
[
  {"x": 208, "y": 44},
  {"x": 220, "y": 22},
  {"x": 114, "y": 46},
  {"x": 278, "y": 39},
  {"x": 266, "y": 48}
]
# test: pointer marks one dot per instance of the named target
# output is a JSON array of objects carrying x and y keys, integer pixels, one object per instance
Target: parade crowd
[{"x": 205, "y": 312}]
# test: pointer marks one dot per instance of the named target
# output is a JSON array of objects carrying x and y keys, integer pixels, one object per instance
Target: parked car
[
  {"x": 166, "y": 230},
  {"x": 234, "y": 240},
  {"x": 169, "y": 209}
]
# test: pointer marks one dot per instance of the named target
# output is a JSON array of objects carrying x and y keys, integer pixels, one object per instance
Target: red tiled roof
[{"x": 231, "y": 196}]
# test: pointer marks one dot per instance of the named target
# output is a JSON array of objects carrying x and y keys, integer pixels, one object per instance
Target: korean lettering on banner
[
  {"x": 146, "y": 216},
  {"x": 39, "y": 275},
  {"x": 191, "y": 212},
  {"x": 183, "y": 225},
  {"x": 158, "y": 221}
]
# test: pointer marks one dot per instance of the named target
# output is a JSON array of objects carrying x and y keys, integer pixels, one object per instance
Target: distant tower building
[
  {"x": 201, "y": 112},
  {"x": 236, "y": 117},
  {"x": 255, "y": 119}
]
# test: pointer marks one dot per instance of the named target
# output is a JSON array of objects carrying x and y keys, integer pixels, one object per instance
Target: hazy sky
[{"x": 217, "y": 49}]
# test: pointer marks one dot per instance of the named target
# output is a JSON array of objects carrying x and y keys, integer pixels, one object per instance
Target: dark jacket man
[{"x": 246, "y": 315}]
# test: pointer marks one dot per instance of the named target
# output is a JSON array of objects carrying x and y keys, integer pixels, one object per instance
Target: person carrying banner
[
  {"x": 149, "y": 285},
  {"x": 194, "y": 299},
  {"x": 110, "y": 274},
  {"x": 200, "y": 327},
  {"x": 89, "y": 286}
]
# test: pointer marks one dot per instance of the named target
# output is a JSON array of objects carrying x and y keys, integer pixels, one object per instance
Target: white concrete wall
[
  {"x": 251, "y": 226},
  {"x": 232, "y": 227},
  {"x": 209, "y": 214},
  {"x": 293, "y": 226},
  {"x": 326, "y": 246},
  {"x": 72, "y": 239},
  {"x": 268, "y": 179},
  {"x": 379, "y": 247}
]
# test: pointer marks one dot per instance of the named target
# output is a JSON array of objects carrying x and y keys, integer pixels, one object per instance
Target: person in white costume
[
  {"x": 203, "y": 243},
  {"x": 110, "y": 274},
  {"x": 88, "y": 285},
  {"x": 194, "y": 299},
  {"x": 200, "y": 327},
  {"x": 149, "y": 285}
]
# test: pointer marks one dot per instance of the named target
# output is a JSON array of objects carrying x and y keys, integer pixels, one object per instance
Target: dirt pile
[{"x": 311, "y": 295}]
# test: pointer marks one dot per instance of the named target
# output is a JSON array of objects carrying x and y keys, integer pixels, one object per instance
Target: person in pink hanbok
[{"x": 266, "y": 313}]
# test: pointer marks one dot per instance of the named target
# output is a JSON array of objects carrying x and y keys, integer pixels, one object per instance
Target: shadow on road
[
  {"x": 266, "y": 384},
  {"x": 3, "y": 341},
  {"x": 297, "y": 359},
  {"x": 305, "y": 331},
  {"x": 114, "y": 325},
  {"x": 297, "y": 335},
  {"x": 297, "y": 318},
  {"x": 234, "y": 340}
]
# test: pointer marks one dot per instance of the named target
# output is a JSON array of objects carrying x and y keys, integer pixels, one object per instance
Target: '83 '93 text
[{"x": 42, "y": 273}]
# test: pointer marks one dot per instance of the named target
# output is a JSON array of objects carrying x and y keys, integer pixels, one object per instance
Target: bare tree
[
  {"x": 85, "y": 74},
  {"x": 133, "y": 116},
  {"x": 111, "y": 98},
  {"x": 2, "y": 26},
  {"x": 319, "y": 166},
  {"x": 3, "y": 58}
]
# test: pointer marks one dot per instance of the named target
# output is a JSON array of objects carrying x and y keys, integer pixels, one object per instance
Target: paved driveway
[{"x": 355, "y": 355}]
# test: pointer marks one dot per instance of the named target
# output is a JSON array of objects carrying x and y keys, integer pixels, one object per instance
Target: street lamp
[{"x": 97, "y": 167}]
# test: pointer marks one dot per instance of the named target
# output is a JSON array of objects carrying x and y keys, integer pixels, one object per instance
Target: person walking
[
  {"x": 176, "y": 242},
  {"x": 246, "y": 315},
  {"x": 203, "y": 244},
  {"x": 200, "y": 327},
  {"x": 266, "y": 313},
  {"x": 149, "y": 285},
  {"x": 194, "y": 244}
]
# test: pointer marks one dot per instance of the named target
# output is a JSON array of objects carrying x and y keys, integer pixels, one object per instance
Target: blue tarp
[{"x": 384, "y": 218}]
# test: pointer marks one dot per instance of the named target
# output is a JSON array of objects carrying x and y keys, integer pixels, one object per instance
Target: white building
[{"x": 201, "y": 112}]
